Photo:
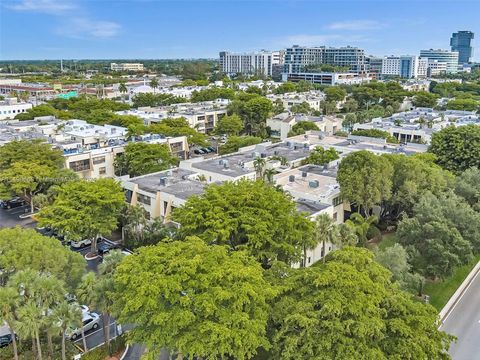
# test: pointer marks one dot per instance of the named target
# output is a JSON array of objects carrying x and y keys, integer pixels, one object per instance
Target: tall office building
[
  {"x": 461, "y": 41},
  {"x": 258, "y": 63},
  {"x": 448, "y": 57},
  {"x": 299, "y": 57}
]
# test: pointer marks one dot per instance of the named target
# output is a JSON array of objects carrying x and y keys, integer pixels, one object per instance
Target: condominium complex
[
  {"x": 126, "y": 67},
  {"x": 448, "y": 57},
  {"x": 297, "y": 58},
  {"x": 461, "y": 41},
  {"x": 255, "y": 63},
  {"x": 406, "y": 66},
  {"x": 328, "y": 78},
  {"x": 10, "y": 107}
]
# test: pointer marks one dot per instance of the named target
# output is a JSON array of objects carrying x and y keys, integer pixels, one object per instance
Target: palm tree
[
  {"x": 30, "y": 320},
  {"x": 88, "y": 294},
  {"x": 348, "y": 237},
  {"x": 259, "y": 164},
  {"x": 9, "y": 302},
  {"x": 327, "y": 231},
  {"x": 268, "y": 174},
  {"x": 154, "y": 84},
  {"x": 123, "y": 90},
  {"x": 361, "y": 225},
  {"x": 135, "y": 220},
  {"x": 67, "y": 316}
]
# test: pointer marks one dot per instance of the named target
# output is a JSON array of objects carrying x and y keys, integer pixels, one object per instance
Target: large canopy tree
[
  {"x": 85, "y": 209},
  {"x": 349, "y": 309},
  {"x": 246, "y": 215},
  {"x": 365, "y": 179},
  {"x": 199, "y": 300}
]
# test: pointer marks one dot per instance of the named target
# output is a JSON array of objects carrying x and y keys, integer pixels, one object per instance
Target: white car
[
  {"x": 80, "y": 244},
  {"x": 90, "y": 321}
]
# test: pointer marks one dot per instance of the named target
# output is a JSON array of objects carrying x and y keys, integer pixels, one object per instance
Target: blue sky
[{"x": 153, "y": 29}]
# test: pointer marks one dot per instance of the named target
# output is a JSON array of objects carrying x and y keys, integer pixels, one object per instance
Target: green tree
[
  {"x": 349, "y": 121},
  {"x": 349, "y": 309},
  {"x": 143, "y": 158},
  {"x": 247, "y": 215},
  {"x": 463, "y": 104},
  {"x": 360, "y": 226},
  {"x": 85, "y": 209},
  {"x": 326, "y": 232},
  {"x": 424, "y": 99},
  {"x": 350, "y": 105},
  {"x": 154, "y": 84},
  {"x": 24, "y": 249},
  {"x": 320, "y": 156},
  {"x": 29, "y": 151},
  {"x": 278, "y": 107},
  {"x": 467, "y": 185},
  {"x": 302, "y": 127},
  {"x": 229, "y": 125},
  {"x": 200, "y": 300},
  {"x": 259, "y": 165},
  {"x": 457, "y": 148},
  {"x": 9, "y": 304},
  {"x": 178, "y": 127},
  {"x": 29, "y": 322},
  {"x": 256, "y": 112},
  {"x": 236, "y": 142},
  {"x": 335, "y": 93},
  {"x": 122, "y": 88},
  {"x": 365, "y": 179},
  {"x": 66, "y": 316},
  {"x": 303, "y": 108}
]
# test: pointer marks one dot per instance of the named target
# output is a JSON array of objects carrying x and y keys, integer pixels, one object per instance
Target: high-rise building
[
  {"x": 449, "y": 57},
  {"x": 461, "y": 41},
  {"x": 406, "y": 66},
  {"x": 298, "y": 58},
  {"x": 256, "y": 63}
]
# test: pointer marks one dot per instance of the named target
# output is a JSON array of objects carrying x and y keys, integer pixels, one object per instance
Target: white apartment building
[
  {"x": 255, "y": 63},
  {"x": 327, "y": 78},
  {"x": 313, "y": 98},
  {"x": 281, "y": 124},
  {"x": 448, "y": 57},
  {"x": 126, "y": 67},
  {"x": 10, "y": 107},
  {"x": 436, "y": 67},
  {"x": 406, "y": 66}
]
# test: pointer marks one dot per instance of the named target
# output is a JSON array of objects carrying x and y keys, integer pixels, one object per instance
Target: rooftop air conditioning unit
[
  {"x": 291, "y": 178},
  {"x": 164, "y": 181},
  {"x": 313, "y": 184},
  {"x": 304, "y": 174}
]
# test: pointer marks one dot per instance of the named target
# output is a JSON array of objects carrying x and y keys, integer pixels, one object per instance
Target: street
[
  {"x": 95, "y": 337},
  {"x": 464, "y": 322}
]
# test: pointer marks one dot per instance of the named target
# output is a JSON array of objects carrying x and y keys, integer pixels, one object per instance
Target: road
[
  {"x": 94, "y": 337},
  {"x": 464, "y": 322}
]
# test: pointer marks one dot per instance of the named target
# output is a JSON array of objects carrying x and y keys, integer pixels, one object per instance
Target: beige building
[{"x": 281, "y": 124}]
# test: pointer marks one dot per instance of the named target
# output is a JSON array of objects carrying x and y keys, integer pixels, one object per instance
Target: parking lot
[{"x": 11, "y": 217}]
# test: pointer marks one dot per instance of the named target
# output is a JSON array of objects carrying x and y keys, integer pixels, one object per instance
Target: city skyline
[{"x": 74, "y": 29}]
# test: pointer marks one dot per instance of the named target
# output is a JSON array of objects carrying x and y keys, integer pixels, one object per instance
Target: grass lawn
[
  {"x": 388, "y": 240},
  {"x": 440, "y": 292}
]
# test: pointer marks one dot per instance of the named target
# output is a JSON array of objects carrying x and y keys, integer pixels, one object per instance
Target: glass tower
[{"x": 461, "y": 41}]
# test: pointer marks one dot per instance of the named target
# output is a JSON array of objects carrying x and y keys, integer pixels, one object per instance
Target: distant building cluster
[
  {"x": 126, "y": 67},
  {"x": 299, "y": 63}
]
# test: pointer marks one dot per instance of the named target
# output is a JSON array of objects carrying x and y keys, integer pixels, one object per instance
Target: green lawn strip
[{"x": 440, "y": 292}]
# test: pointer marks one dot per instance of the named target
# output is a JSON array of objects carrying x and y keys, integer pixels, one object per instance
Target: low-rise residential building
[
  {"x": 202, "y": 116},
  {"x": 328, "y": 78},
  {"x": 280, "y": 125},
  {"x": 10, "y": 107},
  {"x": 313, "y": 98},
  {"x": 420, "y": 124}
]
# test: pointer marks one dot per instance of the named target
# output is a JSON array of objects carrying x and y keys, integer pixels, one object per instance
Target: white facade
[
  {"x": 259, "y": 63},
  {"x": 449, "y": 57},
  {"x": 10, "y": 108},
  {"x": 436, "y": 67},
  {"x": 406, "y": 66},
  {"x": 126, "y": 67}
]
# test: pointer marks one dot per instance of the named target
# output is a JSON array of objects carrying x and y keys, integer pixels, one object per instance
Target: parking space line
[{"x": 94, "y": 332}]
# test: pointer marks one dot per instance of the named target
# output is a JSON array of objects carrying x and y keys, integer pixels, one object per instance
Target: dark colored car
[
  {"x": 208, "y": 151},
  {"x": 104, "y": 247},
  {"x": 5, "y": 340},
  {"x": 212, "y": 149},
  {"x": 196, "y": 151},
  {"x": 13, "y": 203}
]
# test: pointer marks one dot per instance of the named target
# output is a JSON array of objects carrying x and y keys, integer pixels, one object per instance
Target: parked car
[
  {"x": 80, "y": 244},
  {"x": 5, "y": 336},
  {"x": 196, "y": 151},
  {"x": 207, "y": 150},
  {"x": 90, "y": 321},
  {"x": 105, "y": 247},
  {"x": 13, "y": 203},
  {"x": 212, "y": 149}
]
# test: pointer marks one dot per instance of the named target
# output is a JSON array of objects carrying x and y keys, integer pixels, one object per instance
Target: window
[
  {"x": 337, "y": 201},
  {"x": 144, "y": 199},
  {"x": 99, "y": 160},
  {"x": 335, "y": 216},
  {"x": 80, "y": 165},
  {"x": 102, "y": 170}
]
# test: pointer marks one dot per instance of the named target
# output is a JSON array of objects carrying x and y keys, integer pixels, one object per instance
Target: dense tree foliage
[
  {"x": 150, "y": 99},
  {"x": 349, "y": 309},
  {"x": 212, "y": 93},
  {"x": 254, "y": 111},
  {"x": 335, "y": 93},
  {"x": 229, "y": 125},
  {"x": 424, "y": 99},
  {"x": 142, "y": 158},
  {"x": 178, "y": 127},
  {"x": 236, "y": 142},
  {"x": 463, "y": 104},
  {"x": 457, "y": 148},
  {"x": 302, "y": 127},
  {"x": 85, "y": 209},
  {"x": 320, "y": 156},
  {"x": 247, "y": 215},
  {"x": 199, "y": 300},
  {"x": 365, "y": 179},
  {"x": 467, "y": 185}
]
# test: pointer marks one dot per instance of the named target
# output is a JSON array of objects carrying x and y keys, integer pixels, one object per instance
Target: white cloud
[
  {"x": 356, "y": 25},
  {"x": 84, "y": 28},
  {"x": 43, "y": 6},
  {"x": 321, "y": 39}
]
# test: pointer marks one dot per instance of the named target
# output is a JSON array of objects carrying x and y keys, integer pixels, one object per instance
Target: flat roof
[{"x": 310, "y": 207}]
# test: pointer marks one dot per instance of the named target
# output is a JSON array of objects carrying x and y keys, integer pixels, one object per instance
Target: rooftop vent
[
  {"x": 291, "y": 178},
  {"x": 304, "y": 174},
  {"x": 164, "y": 181}
]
